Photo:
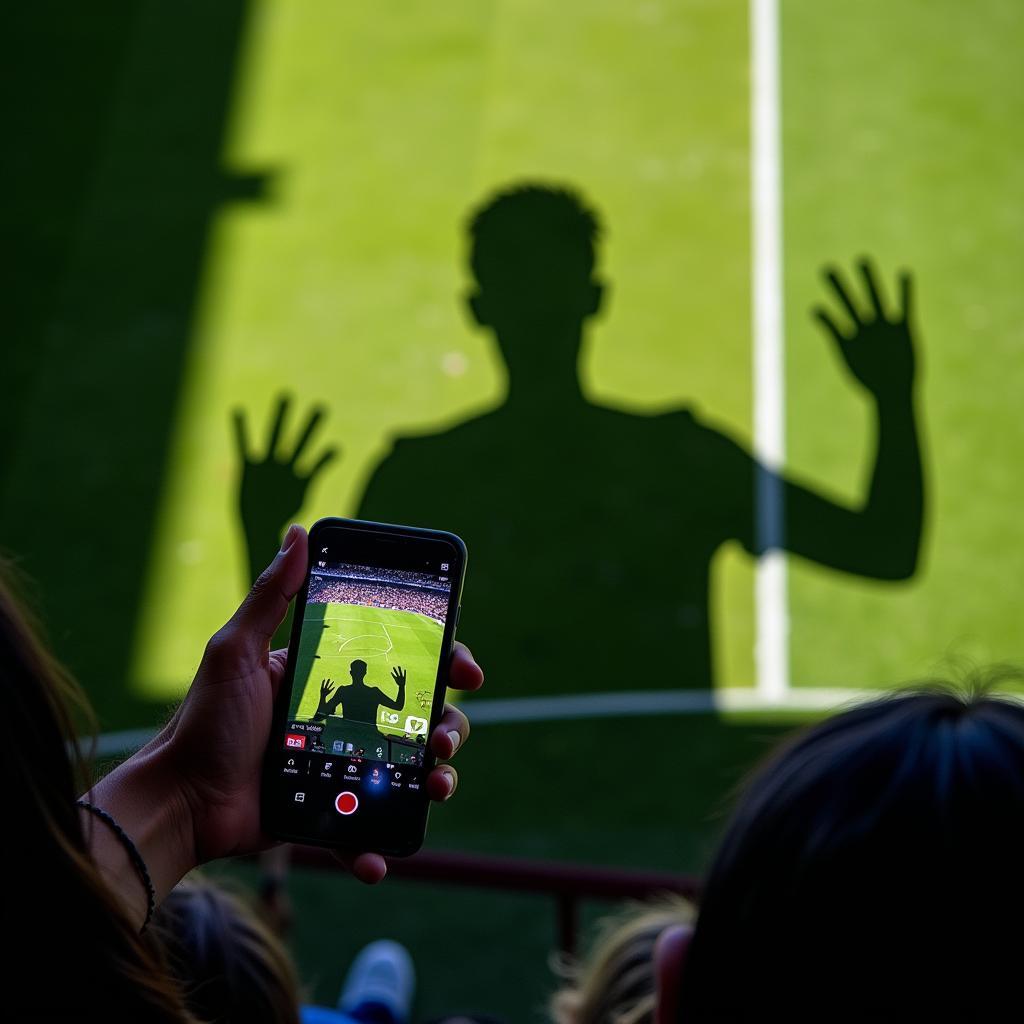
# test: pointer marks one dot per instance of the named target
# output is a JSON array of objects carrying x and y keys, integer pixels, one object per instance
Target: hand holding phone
[
  {"x": 352, "y": 745},
  {"x": 211, "y": 751}
]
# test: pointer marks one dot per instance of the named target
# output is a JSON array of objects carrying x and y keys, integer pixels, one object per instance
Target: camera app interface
[{"x": 365, "y": 673}]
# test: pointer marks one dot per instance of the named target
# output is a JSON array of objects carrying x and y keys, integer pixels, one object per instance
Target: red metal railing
[{"x": 569, "y": 885}]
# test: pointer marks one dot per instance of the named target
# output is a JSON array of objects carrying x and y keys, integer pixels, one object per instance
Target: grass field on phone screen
[{"x": 384, "y": 638}]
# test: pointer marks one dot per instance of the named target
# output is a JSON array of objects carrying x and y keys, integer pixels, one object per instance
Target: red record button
[{"x": 346, "y": 803}]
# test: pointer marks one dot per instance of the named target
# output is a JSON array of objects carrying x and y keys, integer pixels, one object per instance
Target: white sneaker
[{"x": 382, "y": 974}]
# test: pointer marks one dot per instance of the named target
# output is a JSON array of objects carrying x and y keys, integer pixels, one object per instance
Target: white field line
[
  {"x": 573, "y": 707},
  {"x": 343, "y": 643},
  {"x": 368, "y": 622},
  {"x": 800, "y": 701},
  {"x": 653, "y": 702},
  {"x": 370, "y": 653},
  {"x": 772, "y": 642}
]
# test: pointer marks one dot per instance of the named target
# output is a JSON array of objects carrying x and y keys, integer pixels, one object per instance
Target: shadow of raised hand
[
  {"x": 272, "y": 488},
  {"x": 324, "y": 708},
  {"x": 878, "y": 348}
]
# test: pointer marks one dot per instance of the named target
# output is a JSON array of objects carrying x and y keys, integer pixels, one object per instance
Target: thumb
[
  {"x": 278, "y": 664},
  {"x": 266, "y": 605}
]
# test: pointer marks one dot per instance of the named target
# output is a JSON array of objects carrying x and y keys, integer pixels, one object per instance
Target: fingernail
[
  {"x": 456, "y": 740},
  {"x": 290, "y": 537},
  {"x": 450, "y": 776}
]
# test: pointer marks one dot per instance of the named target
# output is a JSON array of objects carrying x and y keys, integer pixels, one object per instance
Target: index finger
[
  {"x": 906, "y": 294},
  {"x": 311, "y": 424},
  {"x": 278, "y": 424},
  {"x": 867, "y": 272},
  {"x": 835, "y": 278},
  {"x": 463, "y": 672},
  {"x": 241, "y": 438}
]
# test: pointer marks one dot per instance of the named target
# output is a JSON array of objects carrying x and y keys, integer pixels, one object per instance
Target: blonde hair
[{"x": 615, "y": 983}]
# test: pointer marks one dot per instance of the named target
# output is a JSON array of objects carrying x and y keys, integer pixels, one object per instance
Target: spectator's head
[
  {"x": 357, "y": 670},
  {"x": 616, "y": 984},
  {"x": 872, "y": 867},
  {"x": 231, "y": 966},
  {"x": 72, "y": 951},
  {"x": 532, "y": 256}
]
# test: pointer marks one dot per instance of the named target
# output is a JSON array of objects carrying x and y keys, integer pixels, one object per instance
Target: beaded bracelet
[{"x": 133, "y": 854}]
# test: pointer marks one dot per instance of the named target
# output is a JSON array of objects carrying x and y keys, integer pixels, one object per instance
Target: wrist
[
  {"x": 144, "y": 796},
  {"x": 897, "y": 395}
]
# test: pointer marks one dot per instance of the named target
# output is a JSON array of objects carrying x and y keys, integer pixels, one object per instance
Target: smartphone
[{"x": 374, "y": 624}]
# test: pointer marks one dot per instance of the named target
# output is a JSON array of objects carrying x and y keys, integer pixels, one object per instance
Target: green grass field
[
  {"x": 215, "y": 203},
  {"x": 345, "y": 286},
  {"x": 336, "y": 634}
]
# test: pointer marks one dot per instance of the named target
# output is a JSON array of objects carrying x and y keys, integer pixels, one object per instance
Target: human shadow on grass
[{"x": 592, "y": 531}]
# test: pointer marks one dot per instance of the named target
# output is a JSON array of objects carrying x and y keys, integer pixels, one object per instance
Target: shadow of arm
[{"x": 882, "y": 538}]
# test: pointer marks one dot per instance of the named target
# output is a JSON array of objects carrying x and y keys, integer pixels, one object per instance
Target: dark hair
[
  {"x": 230, "y": 964},
  {"x": 522, "y": 225},
  {"x": 873, "y": 867},
  {"x": 73, "y": 950}
]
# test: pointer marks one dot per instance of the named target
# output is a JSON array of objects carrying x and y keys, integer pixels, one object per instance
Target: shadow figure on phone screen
[{"x": 359, "y": 702}]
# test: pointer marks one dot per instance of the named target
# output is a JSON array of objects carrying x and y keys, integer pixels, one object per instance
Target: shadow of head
[
  {"x": 358, "y": 671},
  {"x": 532, "y": 255}
]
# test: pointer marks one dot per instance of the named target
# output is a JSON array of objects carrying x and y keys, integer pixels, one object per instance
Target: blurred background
[{"x": 211, "y": 206}]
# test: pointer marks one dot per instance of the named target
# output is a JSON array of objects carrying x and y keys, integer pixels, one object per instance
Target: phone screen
[{"x": 348, "y": 757}]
